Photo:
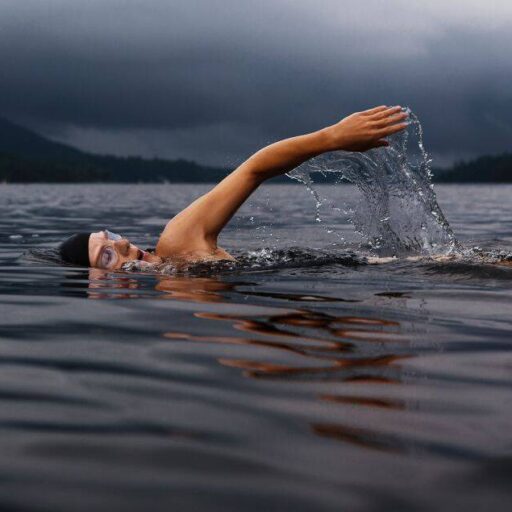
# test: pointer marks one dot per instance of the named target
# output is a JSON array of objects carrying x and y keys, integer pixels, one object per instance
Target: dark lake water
[{"x": 316, "y": 383}]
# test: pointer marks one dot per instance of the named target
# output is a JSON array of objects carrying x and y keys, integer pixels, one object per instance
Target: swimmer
[{"x": 191, "y": 236}]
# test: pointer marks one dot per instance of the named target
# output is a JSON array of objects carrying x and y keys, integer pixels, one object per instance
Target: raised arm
[{"x": 197, "y": 227}]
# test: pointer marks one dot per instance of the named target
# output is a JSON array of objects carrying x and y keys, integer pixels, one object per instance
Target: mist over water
[{"x": 397, "y": 212}]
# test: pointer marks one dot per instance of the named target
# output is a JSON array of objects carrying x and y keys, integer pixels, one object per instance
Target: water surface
[{"x": 314, "y": 383}]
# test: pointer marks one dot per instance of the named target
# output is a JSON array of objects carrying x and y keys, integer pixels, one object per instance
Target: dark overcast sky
[{"x": 212, "y": 80}]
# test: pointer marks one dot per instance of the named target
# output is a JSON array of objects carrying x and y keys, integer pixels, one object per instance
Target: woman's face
[{"x": 110, "y": 251}]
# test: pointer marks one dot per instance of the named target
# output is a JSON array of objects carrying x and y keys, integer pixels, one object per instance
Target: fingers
[
  {"x": 383, "y": 114},
  {"x": 390, "y": 119},
  {"x": 389, "y": 130},
  {"x": 382, "y": 111},
  {"x": 375, "y": 110}
]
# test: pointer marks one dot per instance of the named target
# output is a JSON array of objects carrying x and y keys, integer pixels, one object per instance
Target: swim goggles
[
  {"x": 108, "y": 256},
  {"x": 112, "y": 236}
]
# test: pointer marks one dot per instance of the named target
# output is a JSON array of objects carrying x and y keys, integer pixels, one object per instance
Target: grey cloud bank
[{"x": 214, "y": 80}]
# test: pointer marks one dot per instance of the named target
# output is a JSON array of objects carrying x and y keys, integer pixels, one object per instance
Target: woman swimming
[{"x": 191, "y": 236}]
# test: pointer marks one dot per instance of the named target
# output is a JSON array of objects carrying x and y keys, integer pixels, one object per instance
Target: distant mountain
[
  {"x": 16, "y": 140},
  {"x": 26, "y": 156}
]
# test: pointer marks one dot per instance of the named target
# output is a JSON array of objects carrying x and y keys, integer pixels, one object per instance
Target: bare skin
[
  {"x": 192, "y": 235},
  {"x": 124, "y": 250}
]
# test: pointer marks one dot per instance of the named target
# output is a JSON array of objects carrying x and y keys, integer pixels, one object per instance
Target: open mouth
[{"x": 140, "y": 254}]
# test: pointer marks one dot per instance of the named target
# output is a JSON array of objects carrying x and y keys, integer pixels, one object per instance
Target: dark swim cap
[{"x": 76, "y": 249}]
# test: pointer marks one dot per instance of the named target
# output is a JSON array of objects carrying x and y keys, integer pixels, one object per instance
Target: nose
[{"x": 123, "y": 246}]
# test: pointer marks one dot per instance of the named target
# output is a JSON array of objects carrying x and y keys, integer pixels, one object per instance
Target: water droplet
[{"x": 399, "y": 213}]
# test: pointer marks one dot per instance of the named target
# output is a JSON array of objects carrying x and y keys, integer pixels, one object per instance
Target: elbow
[{"x": 253, "y": 174}]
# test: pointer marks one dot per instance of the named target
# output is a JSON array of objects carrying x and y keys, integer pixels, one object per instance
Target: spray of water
[{"x": 397, "y": 213}]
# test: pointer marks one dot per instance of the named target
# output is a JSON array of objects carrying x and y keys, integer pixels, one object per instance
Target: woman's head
[{"x": 101, "y": 249}]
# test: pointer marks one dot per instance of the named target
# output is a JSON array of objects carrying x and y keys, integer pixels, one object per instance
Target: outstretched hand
[{"x": 366, "y": 130}]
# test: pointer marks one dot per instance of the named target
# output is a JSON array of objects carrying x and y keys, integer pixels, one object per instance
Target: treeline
[
  {"x": 485, "y": 169},
  {"x": 16, "y": 169}
]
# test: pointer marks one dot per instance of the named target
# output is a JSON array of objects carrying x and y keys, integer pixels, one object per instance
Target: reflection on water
[
  {"x": 317, "y": 337},
  {"x": 103, "y": 284},
  {"x": 199, "y": 289},
  {"x": 327, "y": 348},
  {"x": 324, "y": 347},
  {"x": 307, "y": 345},
  {"x": 107, "y": 285},
  {"x": 356, "y": 436}
]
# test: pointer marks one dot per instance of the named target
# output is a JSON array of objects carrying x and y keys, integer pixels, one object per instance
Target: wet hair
[{"x": 75, "y": 249}]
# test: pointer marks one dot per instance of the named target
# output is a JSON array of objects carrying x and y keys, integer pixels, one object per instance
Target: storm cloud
[{"x": 212, "y": 80}]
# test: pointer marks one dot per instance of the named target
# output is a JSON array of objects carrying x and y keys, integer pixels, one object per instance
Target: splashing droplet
[{"x": 398, "y": 213}]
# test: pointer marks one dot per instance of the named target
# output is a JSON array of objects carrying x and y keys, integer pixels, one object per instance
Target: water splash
[
  {"x": 398, "y": 213},
  {"x": 265, "y": 259}
]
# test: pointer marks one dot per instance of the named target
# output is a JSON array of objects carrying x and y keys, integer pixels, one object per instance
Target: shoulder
[{"x": 184, "y": 253}]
